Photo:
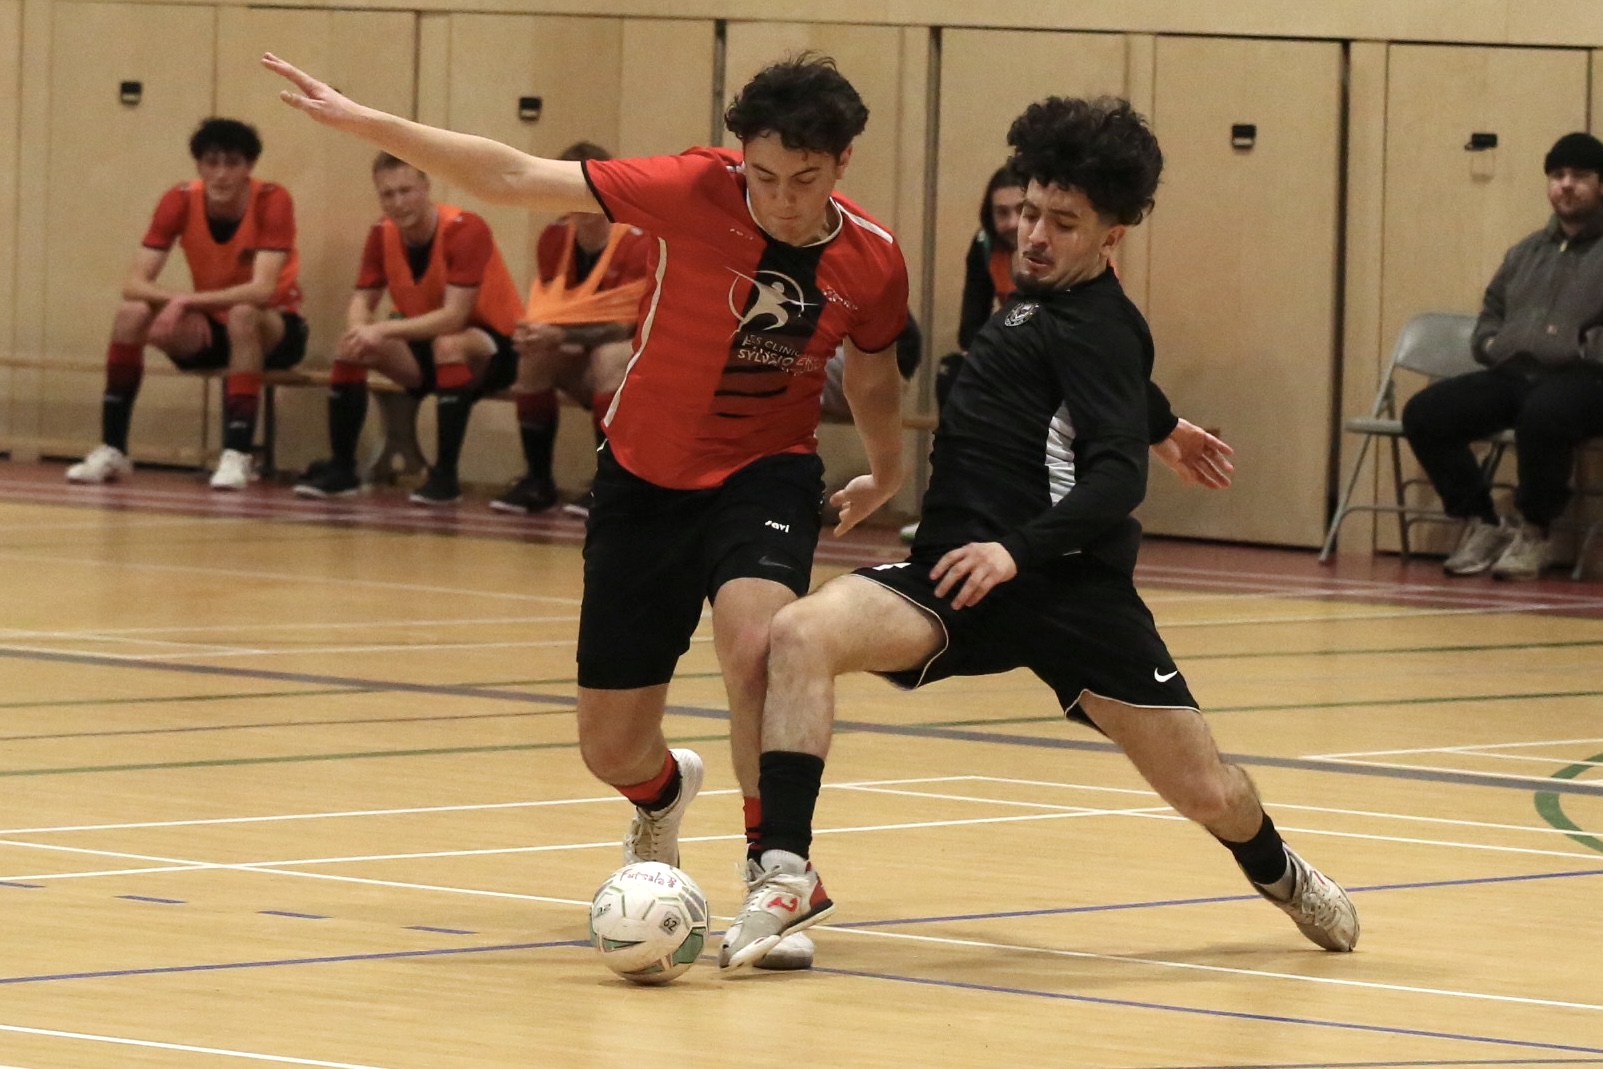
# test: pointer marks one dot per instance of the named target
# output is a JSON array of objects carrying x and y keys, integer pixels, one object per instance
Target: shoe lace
[
  {"x": 645, "y": 835},
  {"x": 1319, "y": 903}
]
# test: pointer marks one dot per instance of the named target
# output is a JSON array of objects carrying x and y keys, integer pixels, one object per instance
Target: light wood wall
[{"x": 1275, "y": 278}]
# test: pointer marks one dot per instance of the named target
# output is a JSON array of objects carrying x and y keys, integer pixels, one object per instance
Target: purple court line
[
  {"x": 290, "y": 913},
  {"x": 1470, "y": 881},
  {"x": 1237, "y": 1015},
  {"x": 1304, "y": 764},
  {"x": 331, "y": 960},
  {"x": 159, "y": 901},
  {"x": 442, "y": 931}
]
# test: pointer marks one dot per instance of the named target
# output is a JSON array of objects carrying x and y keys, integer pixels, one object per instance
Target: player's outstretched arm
[
  {"x": 1197, "y": 457},
  {"x": 487, "y": 169}
]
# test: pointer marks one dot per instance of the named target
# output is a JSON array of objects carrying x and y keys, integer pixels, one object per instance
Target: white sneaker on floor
[
  {"x": 104, "y": 464},
  {"x": 1483, "y": 543},
  {"x": 1318, "y": 906},
  {"x": 233, "y": 471},
  {"x": 783, "y": 897},
  {"x": 1526, "y": 557},
  {"x": 794, "y": 951},
  {"x": 655, "y": 836}
]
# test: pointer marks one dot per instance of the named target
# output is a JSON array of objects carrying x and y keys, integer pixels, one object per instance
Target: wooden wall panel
[
  {"x": 108, "y": 165},
  {"x": 673, "y": 108},
  {"x": 10, "y": 65},
  {"x": 1243, "y": 278}
]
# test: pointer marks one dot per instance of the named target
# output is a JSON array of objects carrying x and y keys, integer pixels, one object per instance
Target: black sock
[
  {"x": 789, "y": 783},
  {"x": 451, "y": 415},
  {"x": 539, "y": 443},
  {"x": 1262, "y": 857},
  {"x": 347, "y": 411}
]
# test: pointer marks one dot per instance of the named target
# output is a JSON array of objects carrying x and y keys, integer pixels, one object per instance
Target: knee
[
  {"x": 1416, "y": 418},
  {"x": 800, "y": 634},
  {"x": 244, "y": 320},
  {"x": 1206, "y": 796},
  {"x": 132, "y": 319},
  {"x": 449, "y": 349}
]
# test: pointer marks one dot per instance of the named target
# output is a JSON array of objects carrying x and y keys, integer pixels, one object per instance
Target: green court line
[
  {"x": 1552, "y": 811},
  {"x": 228, "y": 762},
  {"x": 197, "y": 729}
]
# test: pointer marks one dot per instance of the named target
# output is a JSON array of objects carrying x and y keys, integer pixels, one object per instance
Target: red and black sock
[
  {"x": 537, "y": 430},
  {"x": 660, "y": 791},
  {"x": 347, "y": 410},
  {"x": 125, "y": 370},
  {"x": 789, "y": 785},
  {"x": 241, "y": 399}
]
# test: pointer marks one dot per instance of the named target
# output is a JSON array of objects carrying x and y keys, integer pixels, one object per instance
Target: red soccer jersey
[
  {"x": 268, "y": 226},
  {"x": 733, "y": 338},
  {"x": 463, "y": 254}
]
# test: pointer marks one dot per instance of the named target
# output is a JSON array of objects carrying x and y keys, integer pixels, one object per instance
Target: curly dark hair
[
  {"x": 1004, "y": 178},
  {"x": 805, "y": 100},
  {"x": 225, "y": 135},
  {"x": 1101, "y": 147}
]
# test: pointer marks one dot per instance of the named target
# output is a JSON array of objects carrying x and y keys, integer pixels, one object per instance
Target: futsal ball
[{"x": 648, "y": 922}]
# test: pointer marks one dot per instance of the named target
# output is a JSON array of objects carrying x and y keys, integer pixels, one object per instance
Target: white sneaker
[
  {"x": 783, "y": 897},
  {"x": 233, "y": 471},
  {"x": 104, "y": 464},
  {"x": 655, "y": 836},
  {"x": 1526, "y": 557},
  {"x": 1318, "y": 906},
  {"x": 1483, "y": 543},
  {"x": 794, "y": 951}
]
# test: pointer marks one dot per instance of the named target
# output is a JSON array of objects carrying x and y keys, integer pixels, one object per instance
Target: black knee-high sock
[
  {"x": 347, "y": 411},
  {"x": 125, "y": 369},
  {"x": 789, "y": 784},
  {"x": 537, "y": 430},
  {"x": 1262, "y": 857}
]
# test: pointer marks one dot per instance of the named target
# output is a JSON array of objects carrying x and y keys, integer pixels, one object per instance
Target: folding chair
[{"x": 1436, "y": 345}]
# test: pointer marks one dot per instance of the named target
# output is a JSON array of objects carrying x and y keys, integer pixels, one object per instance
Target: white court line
[
  {"x": 1160, "y": 963},
  {"x": 1468, "y": 748},
  {"x": 186, "y": 1048}
]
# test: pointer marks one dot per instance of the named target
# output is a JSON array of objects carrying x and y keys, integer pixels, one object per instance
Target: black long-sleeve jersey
[{"x": 1043, "y": 442}]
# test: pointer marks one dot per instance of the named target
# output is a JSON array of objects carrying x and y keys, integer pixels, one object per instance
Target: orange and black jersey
[
  {"x": 223, "y": 254},
  {"x": 462, "y": 253},
  {"x": 736, "y": 330},
  {"x": 1042, "y": 445}
]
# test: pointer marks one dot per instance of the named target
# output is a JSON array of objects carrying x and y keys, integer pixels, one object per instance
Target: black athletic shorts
[
  {"x": 1079, "y": 626},
  {"x": 290, "y": 350},
  {"x": 653, "y": 555},
  {"x": 499, "y": 374}
]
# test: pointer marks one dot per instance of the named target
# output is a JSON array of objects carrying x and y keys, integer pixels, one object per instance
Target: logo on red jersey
[{"x": 773, "y": 295}]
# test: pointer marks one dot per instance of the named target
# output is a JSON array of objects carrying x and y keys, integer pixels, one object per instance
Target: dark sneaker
[
  {"x": 527, "y": 495},
  {"x": 441, "y": 488},
  {"x": 325, "y": 479}
]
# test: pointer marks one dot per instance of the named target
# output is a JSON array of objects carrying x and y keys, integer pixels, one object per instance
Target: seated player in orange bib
[
  {"x": 577, "y": 335},
  {"x": 455, "y": 307},
  {"x": 238, "y": 237}
]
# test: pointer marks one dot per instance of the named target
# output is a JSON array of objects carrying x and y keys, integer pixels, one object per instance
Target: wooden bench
[{"x": 399, "y": 452}]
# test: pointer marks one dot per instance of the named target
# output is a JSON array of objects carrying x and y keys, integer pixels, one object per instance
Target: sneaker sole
[
  {"x": 324, "y": 495},
  {"x": 433, "y": 502},
  {"x": 754, "y": 952},
  {"x": 787, "y": 959},
  {"x": 507, "y": 506}
]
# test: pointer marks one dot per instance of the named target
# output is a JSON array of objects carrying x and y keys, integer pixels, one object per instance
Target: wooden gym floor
[{"x": 295, "y": 784}]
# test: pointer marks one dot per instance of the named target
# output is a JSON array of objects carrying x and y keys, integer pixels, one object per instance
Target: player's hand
[
  {"x": 315, "y": 98},
  {"x": 532, "y": 338},
  {"x": 165, "y": 327},
  {"x": 355, "y": 344},
  {"x": 857, "y": 499},
  {"x": 1197, "y": 457},
  {"x": 979, "y": 566}
]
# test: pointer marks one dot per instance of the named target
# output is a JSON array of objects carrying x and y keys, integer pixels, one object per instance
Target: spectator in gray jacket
[{"x": 1540, "y": 336}]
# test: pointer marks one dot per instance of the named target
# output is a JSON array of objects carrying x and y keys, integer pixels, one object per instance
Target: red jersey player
[
  {"x": 710, "y": 484},
  {"x": 238, "y": 237}
]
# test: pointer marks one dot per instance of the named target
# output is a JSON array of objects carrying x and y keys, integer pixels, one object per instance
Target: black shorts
[
  {"x": 290, "y": 350},
  {"x": 499, "y": 374},
  {"x": 653, "y": 555},
  {"x": 1079, "y": 626}
]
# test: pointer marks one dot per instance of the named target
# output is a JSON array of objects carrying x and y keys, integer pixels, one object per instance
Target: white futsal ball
[{"x": 648, "y": 922}]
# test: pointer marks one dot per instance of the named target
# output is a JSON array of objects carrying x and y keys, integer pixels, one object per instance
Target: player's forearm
[
  {"x": 257, "y": 293},
  {"x": 590, "y": 335},
  {"x": 138, "y": 288},
  {"x": 877, "y": 413}
]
